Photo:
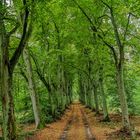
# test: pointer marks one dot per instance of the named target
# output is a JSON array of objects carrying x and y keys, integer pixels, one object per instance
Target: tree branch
[
  {"x": 40, "y": 75},
  {"x": 23, "y": 74},
  {"x": 115, "y": 29},
  {"x": 106, "y": 4},
  {"x": 113, "y": 51},
  {"x": 88, "y": 18},
  {"x": 25, "y": 36},
  {"x": 94, "y": 29},
  {"x": 127, "y": 25}
]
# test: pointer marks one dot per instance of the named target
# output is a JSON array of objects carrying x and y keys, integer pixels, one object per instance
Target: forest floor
[{"x": 80, "y": 123}]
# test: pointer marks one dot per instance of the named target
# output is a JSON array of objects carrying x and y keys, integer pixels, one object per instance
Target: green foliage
[{"x": 69, "y": 59}]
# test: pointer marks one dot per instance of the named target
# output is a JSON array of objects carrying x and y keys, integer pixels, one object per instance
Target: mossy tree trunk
[
  {"x": 96, "y": 100},
  {"x": 103, "y": 96},
  {"x": 104, "y": 103},
  {"x": 122, "y": 97},
  {"x": 32, "y": 88},
  {"x": 7, "y": 69},
  {"x": 8, "y": 127}
]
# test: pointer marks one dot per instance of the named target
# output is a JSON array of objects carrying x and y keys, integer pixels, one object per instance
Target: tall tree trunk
[
  {"x": 9, "y": 129},
  {"x": 122, "y": 96},
  {"x": 92, "y": 99},
  {"x": 8, "y": 125},
  {"x": 119, "y": 69},
  {"x": 32, "y": 89},
  {"x": 85, "y": 95},
  {"x": 105, "y": 110},
  {"x": 7, "y": 68},
  {"x": 96, "y": 100},
  {"x": 70, "y": 91}
]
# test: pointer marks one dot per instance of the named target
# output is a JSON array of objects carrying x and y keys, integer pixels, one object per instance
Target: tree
[
  {"x": 8, "y": 65},
  {"x": 118, "y": 54},
  {"x": 32, "y": 88}
]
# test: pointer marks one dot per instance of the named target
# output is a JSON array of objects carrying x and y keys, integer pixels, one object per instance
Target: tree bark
[
  {"x": 7, "y": 68},
  {"x": 105, "y": 110},
  {"x": 96, "y": 100},
  {"x": 32, "y": 89},
  {"x": 119, "y": 75},
  {"x": 85, "y": 95},
  {"x": 9, "y": 129},
  {"x": 123, "y": 100},
  {"x": 8, "y": 126}
]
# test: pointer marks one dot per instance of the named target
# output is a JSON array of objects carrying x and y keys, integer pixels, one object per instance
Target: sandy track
[
  {"x": 73, "y": 126},
  {"x": 80, "y": 123},
  {"x": 89, "y": 134},
  {"x": 78, "y": 128}
]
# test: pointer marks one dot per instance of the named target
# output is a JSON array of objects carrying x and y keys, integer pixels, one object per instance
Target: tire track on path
[
  {"x": 78, "y": 127},
  {"x": 77, "y": 131},
  {"x": 67, "y": 127},
  {"x": 88, "y": 131}
]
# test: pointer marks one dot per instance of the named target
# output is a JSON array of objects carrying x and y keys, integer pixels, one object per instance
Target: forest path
[
  {"x": 73, "y": 126},
  {"x": 78, "y": 127},
  {"x": 80, "y": 123}
]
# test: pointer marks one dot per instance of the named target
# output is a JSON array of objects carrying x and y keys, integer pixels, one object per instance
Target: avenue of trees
[{"x": 52, "y": 50}]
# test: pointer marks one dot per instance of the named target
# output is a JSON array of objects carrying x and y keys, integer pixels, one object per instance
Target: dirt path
[
  {"x": 80, "y": 123},
  {"x": 72, "y": 126},
  {"x": 78, "y": 128},
  {"x": 89, "y": 134}
]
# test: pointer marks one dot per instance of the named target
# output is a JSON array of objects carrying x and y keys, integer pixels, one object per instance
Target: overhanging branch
[
  {"x": 94, "y": 29},
  {"x": 127, "y": 25},
  {"x": 25, "y": 36},
  {"x": 88, "y": 18}
]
